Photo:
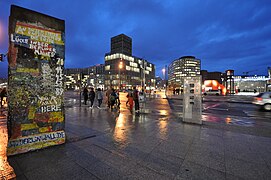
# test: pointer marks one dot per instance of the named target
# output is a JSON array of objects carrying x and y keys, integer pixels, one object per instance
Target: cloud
[{"x": 223, "y": 34}]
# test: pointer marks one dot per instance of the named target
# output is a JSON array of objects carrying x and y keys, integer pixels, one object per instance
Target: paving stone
[
  {"x": 247, "y": 170},
  {"x": 191, "y": 170},
  {"x": 165, "y": 164},
  {"x": 141, "y": 172}
]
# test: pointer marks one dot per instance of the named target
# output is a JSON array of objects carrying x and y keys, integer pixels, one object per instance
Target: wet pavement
[
  {"x": 154, "y": 144},
  {"x": 6, "y": 171}
]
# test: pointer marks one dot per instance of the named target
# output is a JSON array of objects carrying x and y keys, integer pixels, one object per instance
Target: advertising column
[
  {"x": 35, "y": 81},
  {"x": 192, "y": 100}
]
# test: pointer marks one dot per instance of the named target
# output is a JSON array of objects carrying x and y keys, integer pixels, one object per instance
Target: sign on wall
[{"x": 35, "y": 81}]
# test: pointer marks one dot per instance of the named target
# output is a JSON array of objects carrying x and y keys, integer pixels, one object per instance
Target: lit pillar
[{"x": 120, "y": 67}]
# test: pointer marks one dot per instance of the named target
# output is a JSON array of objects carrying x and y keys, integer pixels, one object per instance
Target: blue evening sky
[{"x": 223, "y": 34}]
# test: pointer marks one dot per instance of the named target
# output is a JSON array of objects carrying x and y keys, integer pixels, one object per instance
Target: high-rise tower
[{"x": 121, "y": 44}]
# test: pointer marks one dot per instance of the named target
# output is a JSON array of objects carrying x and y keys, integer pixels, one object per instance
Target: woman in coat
[{"x": 99, "y": 97}]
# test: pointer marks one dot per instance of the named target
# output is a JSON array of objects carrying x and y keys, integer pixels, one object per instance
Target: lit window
[
  {"x": 128, "y": 68},
  {"x": 107, "y": 67}
]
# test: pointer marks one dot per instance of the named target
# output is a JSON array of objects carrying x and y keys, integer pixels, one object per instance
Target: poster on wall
[{"x": 36, "y": 117}]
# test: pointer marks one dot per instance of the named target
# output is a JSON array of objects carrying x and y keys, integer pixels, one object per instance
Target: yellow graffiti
[
  {"x": 29, "y": 126},
  {"x": 39, "y": 34},
  {"x": 33, "y": 142},
  {"x": 39, "y": 145},
  {"x": 27, "y": 70},
  {"x": 31, "y": 113},
  {"x": 56, "y": 117},
  {"x": 45, "y": 129}
]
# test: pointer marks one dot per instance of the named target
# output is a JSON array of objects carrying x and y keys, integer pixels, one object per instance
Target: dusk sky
[{"x": 223, "y": 34}]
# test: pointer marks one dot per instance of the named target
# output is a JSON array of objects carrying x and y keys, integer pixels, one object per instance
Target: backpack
[{"x": 112, "y": 97}]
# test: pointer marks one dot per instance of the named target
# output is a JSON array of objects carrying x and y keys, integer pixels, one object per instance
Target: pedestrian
[
  {"x": 127, "y": 98},
  {"x": 3, "y": 94},
  {"x": 112, "y": 98},
  {"x": 99, "y": 97},
  {"x": 136, "y": 99},
  {"x": 91, "y": 97},
  {"x": 118, "y": 98},
  {"x": 108, "y": 93},
  {"x": 85, "y": 94},
  {"x": 130, "y": 101}
]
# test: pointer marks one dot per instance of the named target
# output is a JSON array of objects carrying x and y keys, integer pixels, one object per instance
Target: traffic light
[{"x": 1, "y": 57}]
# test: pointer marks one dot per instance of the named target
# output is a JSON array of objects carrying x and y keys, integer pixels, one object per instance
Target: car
[
  {"x": 263, "y": 100},
  {"x": 212, "y": 92}
]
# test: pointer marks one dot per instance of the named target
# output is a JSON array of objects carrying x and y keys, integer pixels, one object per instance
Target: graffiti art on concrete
[{"x": 35, "y": 81}]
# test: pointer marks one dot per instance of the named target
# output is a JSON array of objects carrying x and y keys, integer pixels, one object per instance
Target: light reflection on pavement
[
  {"x": 228, "y": 120},
  {"x": 6, "y": 171}
]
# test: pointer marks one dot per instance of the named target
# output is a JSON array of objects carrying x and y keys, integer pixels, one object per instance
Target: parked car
[
  {"x": 212, "y": 92},
  {"x": 263, "y": 100}
]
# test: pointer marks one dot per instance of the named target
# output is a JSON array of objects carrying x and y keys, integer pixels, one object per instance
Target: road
[{"x": 225, "y": 110}]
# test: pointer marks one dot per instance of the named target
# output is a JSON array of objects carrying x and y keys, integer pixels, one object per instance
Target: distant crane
[{"x": 247, "y": 72}]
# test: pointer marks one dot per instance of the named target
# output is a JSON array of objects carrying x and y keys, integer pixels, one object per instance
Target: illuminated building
[
  {"x": 89, "y": 77},
  {"x": 123, "y": 71},
  {"x": 211, "y": 76},
  {"x": 186, "y": 66},
  {"x": 251, "y": 83}
]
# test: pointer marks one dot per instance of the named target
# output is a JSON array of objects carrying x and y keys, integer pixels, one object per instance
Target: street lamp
[
  {"x": 143, "y": 80},
  {"x": 165, "y": 83},
  {"x": 120, "y": 67}
]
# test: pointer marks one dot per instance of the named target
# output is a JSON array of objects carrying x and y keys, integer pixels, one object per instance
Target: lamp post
[
  {"x": 165, "y": 81},
  {"x": 120, "y": 67},
  {"x": 143, "y": 80}
]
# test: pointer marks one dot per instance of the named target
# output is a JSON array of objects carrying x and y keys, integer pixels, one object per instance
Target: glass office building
[{"x": 186, "y": 66}]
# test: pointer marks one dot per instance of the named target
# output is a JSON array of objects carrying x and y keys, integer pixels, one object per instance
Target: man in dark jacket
[
  {"x": 91, "y": 97},
  {"x": 85, "y": 94},
  {"x": 136, "y": 99}
]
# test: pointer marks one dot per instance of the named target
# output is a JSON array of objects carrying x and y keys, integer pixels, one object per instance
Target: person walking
[
  {"x": 130, "y": 101},
  {"x": 108, "y": 93},
  {"x": 3, "y": 94},
  {"x": 99, "y": 97},
  {"x": 118, "y": 98},
  {"x": 136, "y": 99},
  {"x": 91, "y": 97},
  {"x": 113, "y": 98},
  {"x": 127, "y": 98},
  {"x": 85, "y": 94}
]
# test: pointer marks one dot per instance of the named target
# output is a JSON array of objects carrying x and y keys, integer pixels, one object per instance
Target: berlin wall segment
[{"x": 36, "y": 117}]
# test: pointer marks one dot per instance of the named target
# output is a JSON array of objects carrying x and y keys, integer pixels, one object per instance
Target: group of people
[
  {"x": 133, "y": 98},
  {"x": 91, "y": 96},
  {"x": 113, "y": 99}
]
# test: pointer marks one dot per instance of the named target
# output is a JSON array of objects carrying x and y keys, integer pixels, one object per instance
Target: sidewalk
[{"x": 153, "y": 145}]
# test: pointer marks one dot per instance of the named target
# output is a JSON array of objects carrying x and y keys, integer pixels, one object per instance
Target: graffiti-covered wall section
[{"x": 35, "y": 81}]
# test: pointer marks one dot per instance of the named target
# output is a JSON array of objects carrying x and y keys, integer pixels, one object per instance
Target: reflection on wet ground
[
  {"x": 227, "y": 113},
  {"x": 6, "y": 171},
  {"x": 228, "y": 120}
]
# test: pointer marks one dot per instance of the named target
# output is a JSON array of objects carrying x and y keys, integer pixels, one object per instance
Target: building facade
[
  {"x": 251, "y": 84},
  {"x": 186, "y": 66},
  {"x": 121, "y": 44},
  {"x": 211, "y": 76},
  {"x": 84, "y": 77},
  {"x": 123, "y": 71}
]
